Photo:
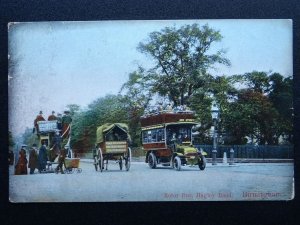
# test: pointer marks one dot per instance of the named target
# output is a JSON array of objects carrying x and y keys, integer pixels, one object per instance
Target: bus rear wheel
[{"x": 202, "y": 162}]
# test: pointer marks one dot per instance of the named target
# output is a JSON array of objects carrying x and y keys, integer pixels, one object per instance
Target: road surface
[{"x": 244, "y": 181}]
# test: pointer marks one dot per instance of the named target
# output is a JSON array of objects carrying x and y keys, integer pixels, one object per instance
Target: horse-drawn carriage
[
  {"x": 48, "y": 132},
  {"x": 112, "y": 143}
]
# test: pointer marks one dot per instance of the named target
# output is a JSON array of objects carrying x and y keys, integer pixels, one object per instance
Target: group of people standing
[{"x": 37, "y": 160}]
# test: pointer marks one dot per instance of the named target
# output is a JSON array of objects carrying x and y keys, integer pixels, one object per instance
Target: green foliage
[
  {"x": 262, "y": 111},
  {"x": 73, "y": 108},
  {"x": 108, "y": 109}
]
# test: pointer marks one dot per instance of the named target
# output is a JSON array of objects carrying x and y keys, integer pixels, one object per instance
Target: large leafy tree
[
  {"x": 262, "y": 111},
  {"x": 281, "y": 95},
  {"x": 252, "y": 115},
  {"x": 182, "y": 58}
]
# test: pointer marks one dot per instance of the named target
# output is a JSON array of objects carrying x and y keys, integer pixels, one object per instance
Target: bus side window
[
  {"x": 145, "y": 137},
  {"x": 153, "y": 135},
  {"x": 160, "y": 135}
]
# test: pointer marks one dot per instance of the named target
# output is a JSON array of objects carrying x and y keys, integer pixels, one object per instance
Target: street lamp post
[{"x": 215, "y": 116}]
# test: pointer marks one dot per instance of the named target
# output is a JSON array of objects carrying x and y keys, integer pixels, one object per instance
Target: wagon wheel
[
  {"x": 96, "y": 163},
  {"x": 128, "y": 159},
  {"x": 100, "y": 160},
  {"x": 121, "y": 163},
  {"x": 202, "y": 162},
  {"x": 177, "y": 163},
  {"x": 152, "y": 160}
]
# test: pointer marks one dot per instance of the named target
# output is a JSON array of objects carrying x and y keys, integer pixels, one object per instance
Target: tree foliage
[
  {"x": 182, "y": 58},
  {"x": 108, "y": 109},
  {"x": 261, "y": 111},
  {"x": 11, "y": 142}
]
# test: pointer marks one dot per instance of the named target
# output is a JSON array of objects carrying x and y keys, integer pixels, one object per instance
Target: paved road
[{"x": 245, "y": 181}]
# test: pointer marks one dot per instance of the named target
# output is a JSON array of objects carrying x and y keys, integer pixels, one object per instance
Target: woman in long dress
[{"x": 21, "y": 166}]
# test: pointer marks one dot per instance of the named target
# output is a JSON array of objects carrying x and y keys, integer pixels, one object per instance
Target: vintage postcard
[{"x": 152, "y": 110}]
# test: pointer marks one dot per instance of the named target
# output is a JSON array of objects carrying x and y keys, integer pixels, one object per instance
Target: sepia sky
[{"x": 53, "y": 64}]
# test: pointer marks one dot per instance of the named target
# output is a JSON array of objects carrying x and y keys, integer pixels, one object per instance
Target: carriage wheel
[
  {"x": 100, "y": 160},
  {"x": 121, "y": 163},
  {"x": 128, "y": 159},
  {"x": 152, "y": 160},
  {"x": 177, "y": 163}
]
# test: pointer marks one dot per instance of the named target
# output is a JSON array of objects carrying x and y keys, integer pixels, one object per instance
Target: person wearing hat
[
  {"x": 42, "y": 158},
  {"x": 52, "y": 116},
  {"x": 21, "y": 166},
  {"x": 66, "y": 121},
  {"x": 33, "y": 159},
  {"x": 37, "y": 119}
]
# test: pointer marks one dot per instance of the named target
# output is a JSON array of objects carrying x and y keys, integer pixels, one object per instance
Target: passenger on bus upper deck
[
  {"x": 52, "y": 116},
  {"x": 59, "y": 121},
  {"x": 37, "y": 119}
]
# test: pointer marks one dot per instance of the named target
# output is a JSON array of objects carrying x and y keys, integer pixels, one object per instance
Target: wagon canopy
[{"x": 112, "y": 132}]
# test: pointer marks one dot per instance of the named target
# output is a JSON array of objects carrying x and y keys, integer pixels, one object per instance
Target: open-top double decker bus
[
  {"x": 46, "y": 131},
  {"x": 167, "y": 140}
]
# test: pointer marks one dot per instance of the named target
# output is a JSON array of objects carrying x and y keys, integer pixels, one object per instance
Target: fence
[
  {"x": 252, "y": 151},
  {"x": 240, "y": 151}
]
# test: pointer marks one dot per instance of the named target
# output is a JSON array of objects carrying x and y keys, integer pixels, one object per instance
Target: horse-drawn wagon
[{"x": 112, "y": 143}]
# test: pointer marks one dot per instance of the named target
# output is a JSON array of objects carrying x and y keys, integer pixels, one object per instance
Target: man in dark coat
[
  {"x": 21, "y": 166},
  {"x": 42, "y": 158},
  {"x": 33, "y": 159}
]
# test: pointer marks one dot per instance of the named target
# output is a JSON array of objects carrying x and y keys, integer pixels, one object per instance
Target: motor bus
[{"x": 167, "y": 140}]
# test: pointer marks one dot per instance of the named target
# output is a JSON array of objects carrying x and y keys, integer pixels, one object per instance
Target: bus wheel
[
  {"x": 177, "y": 163},
  {"x": 202, "y": 162},
  {"x": 152, "y": 161}
]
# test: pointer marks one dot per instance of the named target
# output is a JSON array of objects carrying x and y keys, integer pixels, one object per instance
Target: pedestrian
[
  {"x": 66, "y": 121},
  {"x": 52, "y": 116},
  {"x": 21, "y": 166},
  {"x": 42, "y": 158},
  {"x": 33, "y": 159},
  {"x": 61, "y": 160}
]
